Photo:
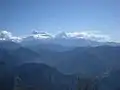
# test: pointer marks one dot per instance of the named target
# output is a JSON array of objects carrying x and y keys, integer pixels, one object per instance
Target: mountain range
[
  {"x": 66, "y": 39},
  {"x": 70, "y": 60},
  {"x": 30, "y": 61}
]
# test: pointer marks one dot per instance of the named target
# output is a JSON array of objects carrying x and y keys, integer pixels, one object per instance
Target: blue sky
[{"x": 22, "y": 16}]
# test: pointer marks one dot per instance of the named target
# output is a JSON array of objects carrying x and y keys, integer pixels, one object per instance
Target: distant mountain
[
  {"x": 66, "y": 42},
  {"x": 50, "y": 47},
  {"x": 9, "y": 45},
  {"x": 13, "y": 53},
  {"x": 68, "y": 39},
  {"x": 25, "y": 62},
  {"x": 64, "y": 39},
  {"x": 91, "y": 60},
  {"x": 83, "y": 60}
]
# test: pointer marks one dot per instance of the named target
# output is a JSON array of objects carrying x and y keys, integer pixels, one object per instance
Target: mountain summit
[{"x": 70, "y": 39}]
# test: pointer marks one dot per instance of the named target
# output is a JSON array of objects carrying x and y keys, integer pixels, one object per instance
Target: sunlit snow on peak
[{"x": 42, "y": 35}]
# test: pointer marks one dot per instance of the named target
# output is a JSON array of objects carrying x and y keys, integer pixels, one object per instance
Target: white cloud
[
  {"x": 95, "y": 36},
  {"x": 5, "y": 35}
]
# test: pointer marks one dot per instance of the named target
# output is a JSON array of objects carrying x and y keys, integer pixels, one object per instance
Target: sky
[{"x": 22, "y": 16}]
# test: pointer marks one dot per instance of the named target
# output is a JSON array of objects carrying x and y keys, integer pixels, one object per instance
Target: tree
[
  {"x": 18, "y": 84},
  {"x": 86, "y": 84}
]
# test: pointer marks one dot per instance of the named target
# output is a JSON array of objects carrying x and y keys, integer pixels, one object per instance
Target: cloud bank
[
  {"x": 5, "y": 35},
  {"x": 93, "y": 36},
  {"x": 90, "y": 36}
]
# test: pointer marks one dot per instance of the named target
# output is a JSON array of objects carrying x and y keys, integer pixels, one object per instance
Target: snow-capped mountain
[
  {"x": 62, "y": 35},
  {"x": 63, "y": 38},
  {"x": 40, "y": 36}
]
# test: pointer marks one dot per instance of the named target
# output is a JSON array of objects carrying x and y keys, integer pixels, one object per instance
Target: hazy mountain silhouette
[
  {"x": 9, "y": 45},
  {"x": 90, "y": 60},
  {"x": 81, "y": 61}
]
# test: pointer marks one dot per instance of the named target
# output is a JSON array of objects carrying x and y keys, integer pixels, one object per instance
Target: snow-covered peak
[
  {"x": 61, "y": 35},
  {"x": 62, "y": 38},
  {"x": 42, "y": 35},
  {"x": 38, "y": 35},
  {"x": 35, "y": 32}
]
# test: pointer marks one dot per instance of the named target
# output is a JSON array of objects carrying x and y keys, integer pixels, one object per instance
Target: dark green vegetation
[
  {"x": 43, "y": 77},
  {"x": 36, "y": 68}
]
